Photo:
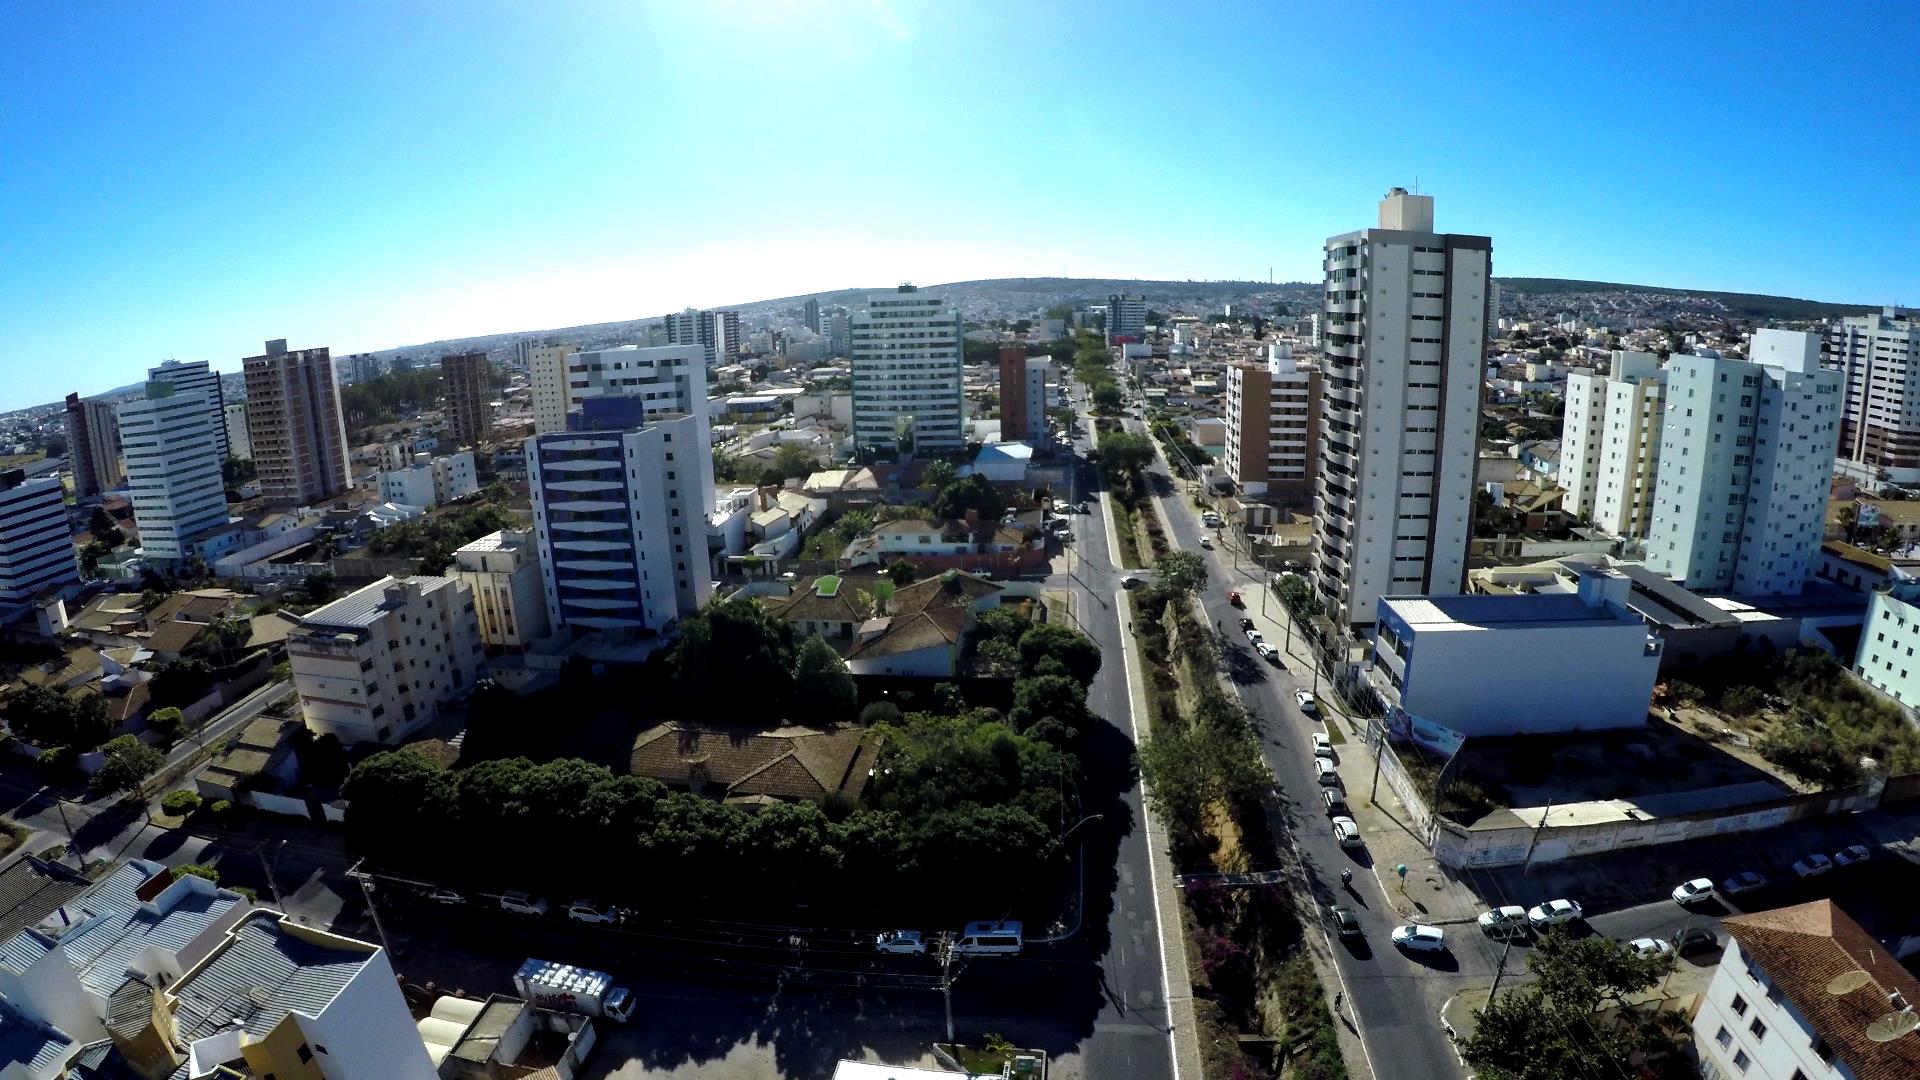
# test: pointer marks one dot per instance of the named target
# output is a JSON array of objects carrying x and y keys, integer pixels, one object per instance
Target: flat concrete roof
[{"x": 1473, "y": 612}]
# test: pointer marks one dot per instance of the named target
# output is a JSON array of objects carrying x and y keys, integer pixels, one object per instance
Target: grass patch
[
  {"x": 823, "y": 545},
  {"x": 11, "y": 837},
  {"x": 1295, "y": 1004},
  {"x": 1333, "y": 731}
]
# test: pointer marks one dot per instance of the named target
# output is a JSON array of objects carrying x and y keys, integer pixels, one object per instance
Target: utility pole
[
  {"x": 73, "y": 845},
  {"x": 366, "y": 889},
  {"x": 1500, "y": 970},
  {"x": 1377, "y": 744},
  {"x": 278, "y": 902},
  {"x": 946, "y": 979}
]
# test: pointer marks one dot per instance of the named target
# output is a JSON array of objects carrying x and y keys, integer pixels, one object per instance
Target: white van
[{"x": 989, "y": 939}]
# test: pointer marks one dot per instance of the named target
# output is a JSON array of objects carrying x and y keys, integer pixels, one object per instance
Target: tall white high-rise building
[
  {"x": 1610, "y": 444},
  {"x": 718, "y": 332},
  {"x": 198, "y": 375},
  {"x": 1406, "y": 322},
  {"x": 547, "y": 374},
  {"x": 238, "y": 444},
  {"x": 36, "y": 544},
  {"x": 171, "y": 442},
  {"x": 1879, "y": 357},
  {"x": 620, "y": 502},
  {"x": 905, "y": 349},
  {"x": 1746, "y": 452}
]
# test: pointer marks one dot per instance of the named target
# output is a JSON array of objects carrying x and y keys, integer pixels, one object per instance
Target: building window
[
  {"x": 305, "y": 1054},
  {"x": 1723, "y": 1038},
  {"x": 1739, "y": 1005},
  {"x": 1758, "y": 1029},
  {"x": 1741, "y": 1060}
]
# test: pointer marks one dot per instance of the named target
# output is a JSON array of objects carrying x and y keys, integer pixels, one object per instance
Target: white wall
[
  {"x": 1787, "y": 1044},
  {"x": 367, "y": 1030}
]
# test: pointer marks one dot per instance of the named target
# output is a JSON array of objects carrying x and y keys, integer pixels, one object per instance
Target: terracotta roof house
[
  {"x": 923, "y": 632},
  {"x": 787, "y": 764},
  {"x": 1805, "y": 991},
  {"x": 831, "y": 605}
]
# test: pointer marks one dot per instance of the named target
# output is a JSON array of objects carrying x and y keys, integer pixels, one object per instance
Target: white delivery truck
[{"x": 569, "y": 989}]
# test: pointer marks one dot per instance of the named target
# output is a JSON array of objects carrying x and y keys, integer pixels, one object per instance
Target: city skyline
[{"x": 185, "y": 208}]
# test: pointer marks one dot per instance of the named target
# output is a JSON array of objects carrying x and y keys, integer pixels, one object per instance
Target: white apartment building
[
  {"x": 1879, "y": 357},
  {"x": 189, "y": 376},
  {"x": 503, "y": 570},
  {"x": 36, "y": 543},
  {"x": 1406, "y": 321},
  {"x": 376, "y": 664},
  {"x": 1273, "y": 426},
  {"x": 1610, "y": 445},
  {"x": 1885, "y": 659},
  {"x": 620, "y": 505},
  {"x": 1805, "y": 993},
  {"x": 906, "y": 357},
  {"x": 547, "y": 374},
  {"x": 172, "y": 451},
  {"x": 834, "y": 326},
  {"x": 1126, "y": 317},
  {"x": 236, "y": 420},
  {"x": 429, "y": 481},
  {"x": 1746, "y": 461}
]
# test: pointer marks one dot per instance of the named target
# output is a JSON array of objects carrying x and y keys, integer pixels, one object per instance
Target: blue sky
[{"x": 190, "y": 180}]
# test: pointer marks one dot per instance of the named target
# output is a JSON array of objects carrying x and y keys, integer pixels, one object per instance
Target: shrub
[
  {"x": 181, "y": 803},
  {"x": 56, "y": 762},
  {"x": 220, "y": 808},
  {"x": 1742, "y": 700},
  {"x": 196, "y": 870},
  {"x": 880, "y": 712},
  {"x": 1683, "y": 693}
]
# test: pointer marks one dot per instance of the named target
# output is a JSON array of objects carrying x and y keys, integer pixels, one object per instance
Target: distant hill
[{"x": 1750, "y": 305}]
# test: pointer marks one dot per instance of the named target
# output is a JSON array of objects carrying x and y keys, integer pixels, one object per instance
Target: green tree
[
  {"x": 103, "y": 528},
  {"x": 972, "y": 492},
  {"x": 903, "y": 573},
  {"x": 1075, "y": 651},
  {"x": 937, "y": 475},
  {"x": 394, "y": 787},
  {"x": 1107, "y": 396},
  {"x": 1546, "y": 1030},
  {"x": 321, "y": 759},
  {"x": 168, "y": 722},
  {"x": 1213, "y": 758},
  {"x": 790, "y": 462},
  {"x": 1053, "y": 707},
  {"x": 318, "y": 586},
  {"x": 823, "y": 689},
  {"x": 733, "y": 644},
  {"x": 128, "y": 761},
  {"x": 1297, "y": 595},
  {"x": 1124, "y": 452},
  {"x": 48, "y": 717},
  {"x": 182, "y": 682},
  {"x": 1182, "y": 572}
]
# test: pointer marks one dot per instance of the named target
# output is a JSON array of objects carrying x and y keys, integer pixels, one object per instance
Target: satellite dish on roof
[
  {"x": 1892, "y": 1026},
  {"x": 1847, "y": 982}
]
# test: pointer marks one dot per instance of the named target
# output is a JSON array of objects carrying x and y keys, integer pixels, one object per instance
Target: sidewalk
[{"x": 1428, "y": 893}]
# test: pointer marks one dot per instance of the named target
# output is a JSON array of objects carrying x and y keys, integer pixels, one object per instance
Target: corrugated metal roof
[
  {"x": 361, "y": 607},
  {"x": 259, "y": 976},
  {"x": 101, "y": 950}
]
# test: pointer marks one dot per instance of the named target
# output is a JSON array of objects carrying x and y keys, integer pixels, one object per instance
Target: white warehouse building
[{"x": 1517, "y": 665}]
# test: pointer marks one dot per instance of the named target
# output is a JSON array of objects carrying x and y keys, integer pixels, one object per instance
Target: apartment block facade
[
  {"x": 503, "y": 570},
  {"x": 172, "y": 450},
  {"x": 376, "y": 664},
  {"x": 198, "y": 375},
  {"x": 1746, "y": 462},
  {"x": 1126, "y": 318},
  {"x": 294, "y": 421},
  {"x": 1878, "y": 356},
  {"x": 428, "y": 481},
  {"x": 93, "y": 446},
  {"x": 1273, "y": 426},
  {"x": 547, "y": 375},
  {"x": 1406, "y": 319},
  {"x": 468, "y": 381},
  {"x": 1610, "y": 445},
  {"x": 620, "y": 504},
  {"x": 905, "y": 349},
  {"x": 235, "y": 418},
  {"x": 36, "y": 544},
  {"x": 1023, "y": 394}
]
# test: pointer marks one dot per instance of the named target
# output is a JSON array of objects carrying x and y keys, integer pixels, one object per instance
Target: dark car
[
  {"x": 1246, "y": 623},
  {"x": 1695, "y": 939},
  {"x": 1345, "y": 921}
]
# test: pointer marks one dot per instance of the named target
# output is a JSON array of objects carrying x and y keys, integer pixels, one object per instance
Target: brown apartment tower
[
  {"x": 468, "y": 378},
  {"x": 93, "y": 446},
  {"x": 294, "y": 422}
]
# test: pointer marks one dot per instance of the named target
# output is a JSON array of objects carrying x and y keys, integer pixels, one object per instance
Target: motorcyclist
[{"x": 1346, "y": 877}]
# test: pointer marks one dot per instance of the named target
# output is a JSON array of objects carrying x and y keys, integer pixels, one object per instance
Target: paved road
[
  {"x": 1129, "y": 1032},
  {"x": 1396, "y": 996}
]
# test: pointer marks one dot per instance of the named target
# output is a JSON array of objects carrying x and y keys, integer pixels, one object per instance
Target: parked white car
[
  {"x": 523, "y": 904},
  {"x": 1554, "y": 913},
  {"x": 446, "y": 896},
  {"x": 1742, "y": 882},
  {"x": 1304, "y": 699},
  {"x": 1647, "y": 946},
  {"x": 1504, "y": 920},
  {"x": 1813, "y": 865},
  {"x": 1207, "y": 542},
  {"x": 1327, "y": 774},
  {"x": 1347, "y": 831},
  {"x": 1692, "y": 892},
  {"x": 1847, "y": 856},
  {"x": 1420, "y": 937},
  {"x": 901, "y": 943},
  {"x": 1322, "y": 746},
  {"x": 1267, "y": 651},
  {"x": 1256, "y": 638},
  {"x": 593, "y": 911}
]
